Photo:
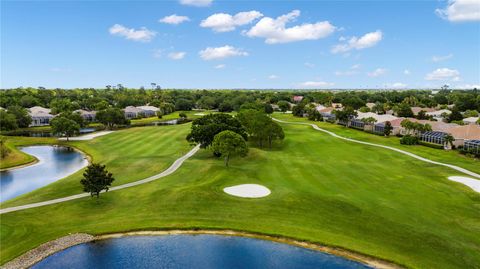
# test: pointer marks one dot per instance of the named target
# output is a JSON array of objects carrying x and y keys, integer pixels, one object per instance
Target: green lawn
[
  {"x": 130, "y": 154},
  {"x": 17, "y": 157},
  {"x": 446, "y": 156},
  {"x": 324, "y": 190}
]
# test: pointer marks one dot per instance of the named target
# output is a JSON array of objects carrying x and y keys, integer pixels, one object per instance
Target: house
[
  {"x": 297, "y": 98},
  {"x": 471, "y": 120},
  {"x": 327, "y": 114},
  {"x": 464, "y": 133},
  {"x": 149, "y": 111},
  {"x": 319, "y": 107},
  {"x": 360, "y": 124},
  {"x": 40, "y": 116},
  {"x": 337, "y": 105},
  {"x": 417, "y": 109},
  {"x": 396, "y": 126},
  {"x": 438, "y": 126},
  {"x": 132, "y": 112},
  {"x": 472, "y": 146},
  {"x": 439, "y": 115},
  {"x": 88, "y": 116},
  {"x": 434, "y": 137},
  {"x": 370, "y": 105}
]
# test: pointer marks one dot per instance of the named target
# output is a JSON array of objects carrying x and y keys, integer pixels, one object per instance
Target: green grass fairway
[
  {"x": 325, "y": 190},
  {"x": 130, "y": 154},
  {"x": 17, "y": 157},
  {"x": 446, "y": 156}
]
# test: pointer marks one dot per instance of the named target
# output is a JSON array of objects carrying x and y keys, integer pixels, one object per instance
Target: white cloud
[
  {"x": 275, "y": 31},
  {"x": 396, "y": 85},
  {"x": 315, "y": 84},
  {"x": 467, "y": 86},
  {"x": 366, "y": 41},
  {"x": 223, "y": 22},
  {"x": 377, "y": 72},
  {"x": 211, "y": 53},
  {"x": 406, "y": 72},
  {"x": 355, "y": 66},
  {"x": 177, "y": 55},
  {"x": 309, "y": 65},
  {"x": 142, "y": 35},
  {"x": 196, "y": 3},
  {"x": 220, "y": 66},
  {"x": 174, "y": 19},
  {"x": 460, "y": 11},
  {"x": 273, "y": 77},
  {"x": 443, "y": 74},
  {"x": 157, "y": 53},
  {"x": 346, "y": 73},
  {"x": 437, "y": 59}
]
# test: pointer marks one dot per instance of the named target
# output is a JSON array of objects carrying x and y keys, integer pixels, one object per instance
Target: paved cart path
[
  {"x": 457, "y": 168},
  {"x": 165, "y": 173},
  {"x": 87, "y": 136}
]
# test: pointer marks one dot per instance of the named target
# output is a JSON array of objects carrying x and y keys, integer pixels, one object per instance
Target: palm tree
[{"x": 448, "y": 139}]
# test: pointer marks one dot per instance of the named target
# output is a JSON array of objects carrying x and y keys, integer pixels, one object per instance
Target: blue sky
[{"x": 270, "y": 44}]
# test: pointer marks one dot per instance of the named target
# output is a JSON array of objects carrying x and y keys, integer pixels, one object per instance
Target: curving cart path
[
  {"x": 459, "y": 169},
  {"x": 165, "y": 173}
]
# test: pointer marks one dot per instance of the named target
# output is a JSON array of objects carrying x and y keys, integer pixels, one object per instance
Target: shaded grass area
[
  {"x": 440, "y": 155},
  {"x": 130, "y": 154},
  {"x": 324, "y": 190}
]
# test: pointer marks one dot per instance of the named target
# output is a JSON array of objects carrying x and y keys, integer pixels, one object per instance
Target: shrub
[
  {"x": 409, "y": 140},
  {"x": 431, "y": 145}
]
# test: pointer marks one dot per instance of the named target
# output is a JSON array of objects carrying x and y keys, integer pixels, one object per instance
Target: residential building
[
  {"x": 88, "y": 116},
  {"x": 439, "y": 115},
  {"x": 297, "y": 98},
  {"x": 472, "y": 146},
  {"x": 132, "y": 112},
  {"x": 464, "y": 133},
  {"x": 149, "y": 111},
  {"x": 417, "y": 109},
  {"x": 470, "y": 120},
  {"x": 40, "y": 116},
  {"x": 396, "y": 126}
]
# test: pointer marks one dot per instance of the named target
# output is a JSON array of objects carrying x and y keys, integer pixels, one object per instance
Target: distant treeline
[{"x": 227, "y": 100}]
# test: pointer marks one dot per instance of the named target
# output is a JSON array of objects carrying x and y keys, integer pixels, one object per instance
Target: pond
[
  {"x": 192, "y": 251},
  {"x": 55, "y": 162}
]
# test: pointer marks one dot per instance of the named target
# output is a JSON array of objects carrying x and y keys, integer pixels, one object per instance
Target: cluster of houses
[
  {"x": 466, "y": 136},
  {"x": 42, "y": 116}
]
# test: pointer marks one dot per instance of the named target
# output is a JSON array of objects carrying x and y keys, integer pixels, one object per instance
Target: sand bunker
[
  {"x": 470, "y": 182},
  {"x": 248, "y": 191}
]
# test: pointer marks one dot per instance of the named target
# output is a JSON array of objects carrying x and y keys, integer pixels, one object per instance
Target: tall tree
[
  {"x": 64, "y": 126},
  {"x": 205, "y": 128},
  {"x": 283, "y": 106},
  {"x": 111, "y": 117},
  {"x": 229, "y": 144},
  {"x": 8, "y": 121},
  {"x": 387, "y": 129},
  {"x": 96, "y": 179},
  {"x": 21, "y": 115}
]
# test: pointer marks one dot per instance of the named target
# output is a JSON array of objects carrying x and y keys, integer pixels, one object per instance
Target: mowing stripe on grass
[{"x": 460, "y": 169}]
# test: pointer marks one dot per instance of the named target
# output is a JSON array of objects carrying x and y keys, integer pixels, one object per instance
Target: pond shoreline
[{"x": 41, "y": 252}]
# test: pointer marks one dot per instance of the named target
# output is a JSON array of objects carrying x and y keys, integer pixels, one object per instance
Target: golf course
[{"x": 324, "y": 190}]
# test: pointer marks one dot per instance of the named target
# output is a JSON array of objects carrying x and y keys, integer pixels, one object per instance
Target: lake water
[
  {"x": 54, "y": 163},
  {"x": 192, "y": 251}
]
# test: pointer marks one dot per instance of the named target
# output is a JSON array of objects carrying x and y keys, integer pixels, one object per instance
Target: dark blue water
[
  {"x": 192, "y": 251},
  {"x": 54, "y": 163}
]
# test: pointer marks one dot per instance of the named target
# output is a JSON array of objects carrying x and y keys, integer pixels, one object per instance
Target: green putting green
[{"x": 325, "y": 190}]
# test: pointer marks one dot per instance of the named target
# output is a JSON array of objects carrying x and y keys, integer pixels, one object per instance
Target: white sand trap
[
  {"x": 87, "y": 137},
  {"x": 199, "y": 114},
  {"x": 248, "y": 191},
  {"x": 470, "y": 182}
]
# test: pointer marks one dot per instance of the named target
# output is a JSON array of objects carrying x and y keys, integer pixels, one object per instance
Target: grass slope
[
  {"x": 17, "y": 157},
  {"x": 130, "y": 154},
  {"x": 324, "y": 190}
]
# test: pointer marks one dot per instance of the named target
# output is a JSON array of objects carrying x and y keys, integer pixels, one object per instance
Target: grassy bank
[
  {"x": 17, "y": 157},
  {"x": 324, "y": 190},
  {"x": 130, "y": 154}
]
